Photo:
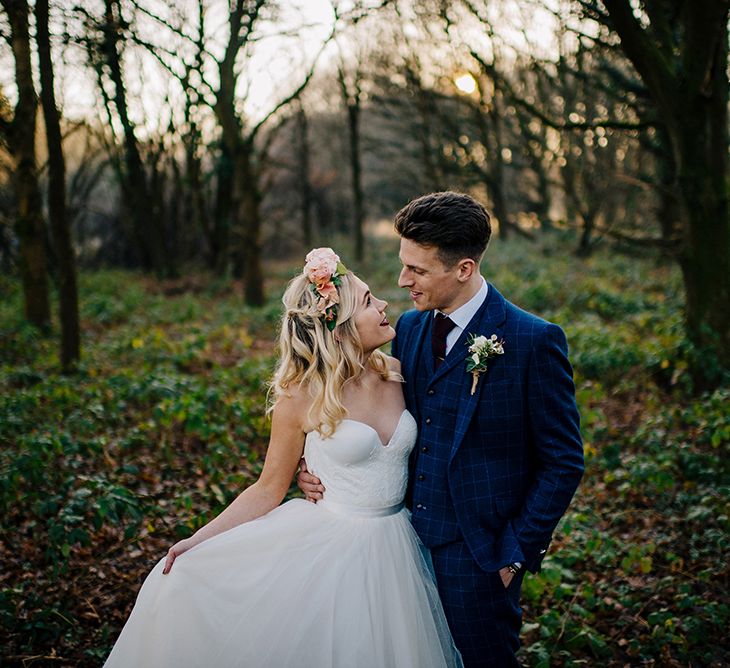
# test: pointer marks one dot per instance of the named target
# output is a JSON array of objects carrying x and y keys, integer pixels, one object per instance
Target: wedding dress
[{"x": 344, "y": 583}]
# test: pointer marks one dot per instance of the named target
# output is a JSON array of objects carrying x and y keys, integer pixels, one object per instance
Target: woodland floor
[{"x": 164, "y": 423}]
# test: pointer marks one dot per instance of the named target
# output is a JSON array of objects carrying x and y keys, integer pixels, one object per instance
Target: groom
[{"x": 499, "y": 455}]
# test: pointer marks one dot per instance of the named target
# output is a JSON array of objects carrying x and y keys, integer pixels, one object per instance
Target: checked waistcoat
[{"x": 436, "y": 521}]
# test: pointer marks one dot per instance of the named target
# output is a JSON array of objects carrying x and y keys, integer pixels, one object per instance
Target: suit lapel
[
  {"x": 487, "y": 321},
  {"x": 413, "y": 355}
]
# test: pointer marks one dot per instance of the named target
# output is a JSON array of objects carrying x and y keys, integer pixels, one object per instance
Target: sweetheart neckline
[{"x": 375, "y": 431}]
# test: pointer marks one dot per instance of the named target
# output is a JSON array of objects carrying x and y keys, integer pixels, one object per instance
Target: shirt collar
[{"x": 463, "y": 315}]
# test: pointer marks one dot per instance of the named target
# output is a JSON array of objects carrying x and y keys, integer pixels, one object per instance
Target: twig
[
  {"x": 565, "y": 618},
  {"x": 28, "y": 658}
]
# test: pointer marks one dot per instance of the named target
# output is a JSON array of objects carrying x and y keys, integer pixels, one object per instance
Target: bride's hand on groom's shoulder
[
  {"x": 174, "y": 552},
  {"x": 309, "y": 484}
]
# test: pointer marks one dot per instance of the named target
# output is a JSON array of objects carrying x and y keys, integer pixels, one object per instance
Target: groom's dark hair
[{"x": 455, "y": 223}]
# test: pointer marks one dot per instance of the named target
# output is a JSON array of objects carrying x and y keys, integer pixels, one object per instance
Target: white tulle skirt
[{"x": 305, "y": 585}]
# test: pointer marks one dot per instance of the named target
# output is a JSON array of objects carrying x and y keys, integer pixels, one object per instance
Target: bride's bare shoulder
[{"x": 293, "y": 401}]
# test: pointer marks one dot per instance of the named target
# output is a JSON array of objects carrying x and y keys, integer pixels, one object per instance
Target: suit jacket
[{"x": 497, "y": 468}]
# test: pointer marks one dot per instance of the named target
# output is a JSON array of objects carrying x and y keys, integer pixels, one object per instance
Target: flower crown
[{"x": 324, "y": 269}]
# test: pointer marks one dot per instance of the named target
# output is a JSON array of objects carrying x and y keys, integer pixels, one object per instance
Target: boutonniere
[{"x": 482, "y": 349}]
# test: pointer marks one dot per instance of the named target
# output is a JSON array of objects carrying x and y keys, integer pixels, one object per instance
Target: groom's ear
[{"x": 466, "y": 268}]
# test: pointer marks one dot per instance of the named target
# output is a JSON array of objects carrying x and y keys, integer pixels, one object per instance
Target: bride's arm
[{"x": 282, "y": 458}]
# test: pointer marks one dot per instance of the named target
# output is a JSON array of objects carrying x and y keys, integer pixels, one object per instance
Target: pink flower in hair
[
  {"x": 324, "y": 269},
  {"x": 328, "y": 295},
  {"x": 321, "y": 264}
]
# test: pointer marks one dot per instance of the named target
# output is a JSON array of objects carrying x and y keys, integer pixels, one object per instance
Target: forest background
[{"x": 165, "y": 166}]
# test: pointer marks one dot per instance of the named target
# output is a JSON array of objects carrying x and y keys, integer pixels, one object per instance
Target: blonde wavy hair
[{"x": 320, "y": 360}]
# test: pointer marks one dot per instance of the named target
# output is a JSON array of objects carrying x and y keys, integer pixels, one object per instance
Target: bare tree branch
[
  {"x": 595, "y": 39},
  {"x": 271, "y": 135},
  {"x": 670, "y": 243},
  {"x": 299, "y": 90},
  {"x": 552, "y": 122},
  {"x": 359, "y": 11},
  {"x": 252, "y": 15},
  {"x": 649, "y": 60},
  {"x": 178, "y": 31}
]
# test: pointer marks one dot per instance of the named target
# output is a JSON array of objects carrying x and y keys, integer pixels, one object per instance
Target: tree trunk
[
  {"x": 668, "y": 212},
  {"x": 706, "y": 258},
  {"x": 67, "y": 290},
  {"x": 353, "y": 118},
  {"x": 29, "y": 224},
  {"x": 487, "y": 117},
  {"x": 250, "y": 202},
  {"x": 222, "y": 216},
  {"x": 424, "y": 132},
  {"x": 497, "y": 180},
  {"x": 304, "y": 182},
  {"x": 688, "y": 83},
  {"x": 231, "y": 200},
  {"x": 245, "y": 198},
  {"x": 499, "y": 205},
  {"x": 585, "y": 245},
  {"x": 148, "y": 228},
  {"x": 351, "y": 96},
  {"x": 708, "y": 292},
  {"x": 179, "y": 216},
  {"x": 192, "y": 184}
]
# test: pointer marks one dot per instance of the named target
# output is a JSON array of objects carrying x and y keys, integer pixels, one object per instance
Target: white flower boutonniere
[{"x": 482, "y": 349}]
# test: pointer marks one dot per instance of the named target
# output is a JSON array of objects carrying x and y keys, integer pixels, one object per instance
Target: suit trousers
[{"x": 484, "y": 617}]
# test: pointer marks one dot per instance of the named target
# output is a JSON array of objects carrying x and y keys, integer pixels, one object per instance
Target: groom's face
[{"x": 430, "y": 283}]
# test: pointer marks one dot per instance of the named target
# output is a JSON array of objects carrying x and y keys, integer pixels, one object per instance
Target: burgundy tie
[{"x": 442, "y": 325}]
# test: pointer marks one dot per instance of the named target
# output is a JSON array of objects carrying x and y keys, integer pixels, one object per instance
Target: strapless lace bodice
[{"x": 356, "y": 469}]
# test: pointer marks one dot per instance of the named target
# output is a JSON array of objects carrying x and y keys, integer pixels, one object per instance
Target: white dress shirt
[{"x": 463, "y": 315}]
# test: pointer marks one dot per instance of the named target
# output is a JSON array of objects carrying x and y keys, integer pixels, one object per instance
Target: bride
[{"x": 343, "y": 583}]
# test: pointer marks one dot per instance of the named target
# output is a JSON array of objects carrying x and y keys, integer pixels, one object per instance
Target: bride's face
[{"x": 370, "y": 320}]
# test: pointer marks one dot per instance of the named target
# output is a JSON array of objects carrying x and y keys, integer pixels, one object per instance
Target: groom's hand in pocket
[{"x": 310, "y": 484}]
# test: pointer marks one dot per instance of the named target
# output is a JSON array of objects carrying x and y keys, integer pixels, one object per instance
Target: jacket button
[
  {"x": 428, "y": 420},
  {"x": 431, "y": 392},
  {"x": 421, "y": 477},
  {"x": 419, "y": 506},
  {"x": 424, "y": 448}
]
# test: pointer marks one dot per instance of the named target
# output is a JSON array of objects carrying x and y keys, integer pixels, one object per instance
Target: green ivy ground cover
[{"x": 165, "y": 422}]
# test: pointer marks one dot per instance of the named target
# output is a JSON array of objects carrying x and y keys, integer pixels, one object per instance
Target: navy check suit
[{"x": 493, "y": 472}]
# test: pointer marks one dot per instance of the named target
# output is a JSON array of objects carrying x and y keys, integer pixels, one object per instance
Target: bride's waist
[{"x": 352, "y": 510}]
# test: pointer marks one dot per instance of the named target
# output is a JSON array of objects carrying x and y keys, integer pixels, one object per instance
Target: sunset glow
[{"x": 466, "y": 83}]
